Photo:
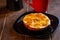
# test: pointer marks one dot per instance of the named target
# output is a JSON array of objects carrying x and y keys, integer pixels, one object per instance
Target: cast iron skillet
[{"x": 20, "y": 28}]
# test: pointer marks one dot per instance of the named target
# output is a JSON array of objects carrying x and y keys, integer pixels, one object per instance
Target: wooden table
[{"x": 7, "y": 19}]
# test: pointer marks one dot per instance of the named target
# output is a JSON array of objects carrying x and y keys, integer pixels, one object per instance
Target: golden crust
[{"x": 36, "y": 21}]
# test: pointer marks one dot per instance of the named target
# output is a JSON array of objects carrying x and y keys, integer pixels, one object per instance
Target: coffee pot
[{"x": 38, "y": 5}]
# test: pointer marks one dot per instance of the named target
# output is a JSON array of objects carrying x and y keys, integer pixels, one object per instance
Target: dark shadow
[{"x": 3, "y": 10}]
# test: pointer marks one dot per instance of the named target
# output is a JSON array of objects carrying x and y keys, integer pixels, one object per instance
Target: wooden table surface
[{"x": 7, "y": 19}]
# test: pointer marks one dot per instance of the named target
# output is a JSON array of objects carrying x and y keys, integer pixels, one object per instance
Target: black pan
[{"x": 20, "y": 28}]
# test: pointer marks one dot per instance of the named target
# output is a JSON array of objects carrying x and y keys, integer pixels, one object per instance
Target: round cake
[{"x": 36, "y": 21}]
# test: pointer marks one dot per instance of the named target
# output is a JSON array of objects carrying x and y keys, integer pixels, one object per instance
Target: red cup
[{"x": 38, "y": 5}]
